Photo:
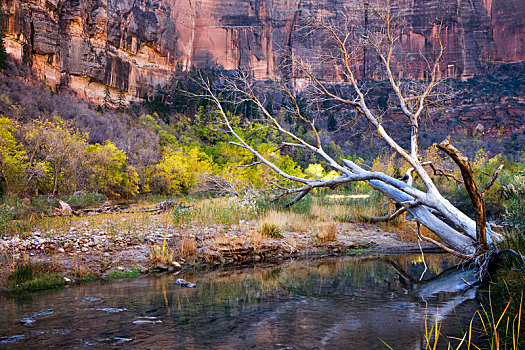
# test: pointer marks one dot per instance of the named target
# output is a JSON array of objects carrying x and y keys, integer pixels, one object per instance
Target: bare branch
[
  {"x": 237, "y": 144},
  {"x": 299, "y": 114},
  {"x": 289, "y": 144},
  {"x": 491, "y": 182},
  {"x": 444, "y": 247},
  {"x": 390, "y": 217},
  {"x": 475, "y": 196},
  {"x": 441, "y": 172},
  {"x": 297, "y": 199},
  {"x": 249, "y": 165}
]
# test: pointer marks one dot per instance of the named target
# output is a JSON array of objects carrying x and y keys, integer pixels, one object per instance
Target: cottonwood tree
[{"x": 345, "y": 48}]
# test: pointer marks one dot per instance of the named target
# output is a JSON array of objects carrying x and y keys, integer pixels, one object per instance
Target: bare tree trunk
[
  {"x": 458, "y": 233},
  {"x": 472, "y": 189}
]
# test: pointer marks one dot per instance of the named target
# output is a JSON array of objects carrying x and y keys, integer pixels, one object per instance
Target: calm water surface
[{"x": 337, "y": 303}]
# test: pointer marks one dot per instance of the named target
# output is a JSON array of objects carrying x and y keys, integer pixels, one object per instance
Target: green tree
[
  {"x": 109, "y": 171},
  {"x": 121, "y": 99},
  {"x": 107, "y": 97},
  {"x": 56, "y": 151},
  {"x": 12, "y": 158},
  {"x": 178, "y": 170}
]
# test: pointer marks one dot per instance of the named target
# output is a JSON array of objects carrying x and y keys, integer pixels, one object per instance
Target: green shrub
[{"x": 40, "y": 283}]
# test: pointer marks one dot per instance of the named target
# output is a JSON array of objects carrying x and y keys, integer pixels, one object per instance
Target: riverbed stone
[
  {"x": 183, "y": 283},
  {"x": 161, "y": 267},
  {"x": 28, "y": 322}
]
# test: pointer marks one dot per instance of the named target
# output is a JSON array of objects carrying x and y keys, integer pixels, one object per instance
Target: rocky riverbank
[{"x": 86, "y": 251}]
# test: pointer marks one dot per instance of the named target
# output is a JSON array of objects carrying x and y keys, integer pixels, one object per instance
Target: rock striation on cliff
[{"x": 134, "y": 45}]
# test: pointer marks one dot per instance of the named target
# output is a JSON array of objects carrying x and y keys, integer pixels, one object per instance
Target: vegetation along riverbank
[{"x": 195, "y": 232}]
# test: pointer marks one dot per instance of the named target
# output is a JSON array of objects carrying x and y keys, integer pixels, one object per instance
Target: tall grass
[
  {"x": 32, "y": 276},
  {"x": 508, "y": 335},
  {"x": 220, "y": 211},
  {"x": 499, "y": 331},
  {"x": 15, "y": 218}
]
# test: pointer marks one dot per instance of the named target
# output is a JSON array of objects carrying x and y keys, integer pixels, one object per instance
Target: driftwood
[
  {"x": 107, "y": 208},
  {"x": 159, "y": 207}
]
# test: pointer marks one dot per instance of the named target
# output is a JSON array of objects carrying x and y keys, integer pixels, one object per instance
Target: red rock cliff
[{"x": 136, "y": 44}]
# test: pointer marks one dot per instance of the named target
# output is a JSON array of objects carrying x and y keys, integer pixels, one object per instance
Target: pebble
[
  {"x": 183, "y": 283},
  {"x": 27, "y": 322},
  {"x": 147, "y": 321},
  {"x": 161, "y": 267}
]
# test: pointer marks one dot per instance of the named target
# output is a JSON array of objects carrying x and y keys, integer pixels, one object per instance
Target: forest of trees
[{"x": 170, "y": 144}]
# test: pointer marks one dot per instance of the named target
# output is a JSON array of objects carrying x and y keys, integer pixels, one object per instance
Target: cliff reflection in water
[{"x": 347, "y": 302}]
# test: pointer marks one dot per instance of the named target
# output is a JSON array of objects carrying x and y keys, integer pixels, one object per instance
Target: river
[{"x": 329, "y": 303}]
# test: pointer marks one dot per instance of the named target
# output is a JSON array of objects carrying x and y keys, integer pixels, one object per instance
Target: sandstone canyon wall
[{"x": 136, "y": 44}]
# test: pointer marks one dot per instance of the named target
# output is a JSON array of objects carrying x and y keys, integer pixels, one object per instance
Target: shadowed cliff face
[{"x": 136, "y": 44}]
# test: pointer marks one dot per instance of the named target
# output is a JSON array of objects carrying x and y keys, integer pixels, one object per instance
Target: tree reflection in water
[{"x": 347, "y": 302}]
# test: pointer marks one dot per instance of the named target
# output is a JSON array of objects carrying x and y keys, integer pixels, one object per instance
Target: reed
[{"x": 226, "y": 211}]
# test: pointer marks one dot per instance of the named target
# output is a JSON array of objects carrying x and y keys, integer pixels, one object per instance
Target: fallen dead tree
[{"x": 458, "y": 234}]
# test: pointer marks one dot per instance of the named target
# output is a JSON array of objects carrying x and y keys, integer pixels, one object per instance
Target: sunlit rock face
[{"x": 136, "y": 44}]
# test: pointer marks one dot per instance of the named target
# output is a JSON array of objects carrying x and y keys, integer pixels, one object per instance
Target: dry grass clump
[
  {"x": 326, "y": 232},
  {"x": 160, "y": 254},
  {"x": 269, "y": 229},
  {"x": 312, "y": 222},
  {"x": 186, "y": 247},
  {"x": 287, "y": 220},
  {"x": 346, "y": 211},
  {"x": 224, "y": 239},
  {"x": 255, "y": 238}
]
